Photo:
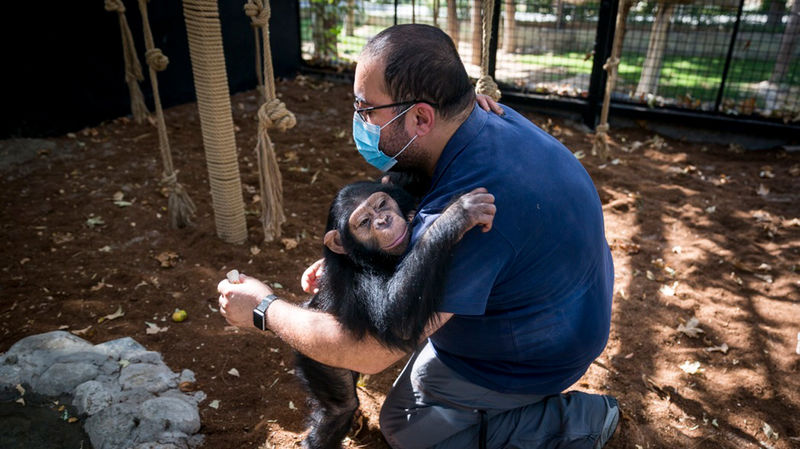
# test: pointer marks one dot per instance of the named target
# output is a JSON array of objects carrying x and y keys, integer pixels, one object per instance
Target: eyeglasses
[{"x": 364, "y": 112}]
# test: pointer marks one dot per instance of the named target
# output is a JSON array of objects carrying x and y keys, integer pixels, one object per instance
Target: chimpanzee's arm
[{"x": 403, "y": 306}]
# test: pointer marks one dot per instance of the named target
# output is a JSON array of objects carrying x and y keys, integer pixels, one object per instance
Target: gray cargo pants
[{"x": 430, "y": 405}]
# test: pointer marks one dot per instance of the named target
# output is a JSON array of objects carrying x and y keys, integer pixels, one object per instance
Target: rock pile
[{"x": 127, "y": 395}]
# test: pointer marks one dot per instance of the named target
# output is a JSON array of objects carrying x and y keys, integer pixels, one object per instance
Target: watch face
[{"x": 258, "y": 318}]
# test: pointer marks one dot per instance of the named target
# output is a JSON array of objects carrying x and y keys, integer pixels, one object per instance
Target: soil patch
[{"x": 703, "y": 231}]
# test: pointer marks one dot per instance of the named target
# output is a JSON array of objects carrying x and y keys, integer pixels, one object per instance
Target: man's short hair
[{"x": 422, "y": 63}]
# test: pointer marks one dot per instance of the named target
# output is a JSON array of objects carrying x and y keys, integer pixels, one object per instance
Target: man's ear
[
  {"x": 424, "y": 118},
  {"x": 333, "y": 241}
]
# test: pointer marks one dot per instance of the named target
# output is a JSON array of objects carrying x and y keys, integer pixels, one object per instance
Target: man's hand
[
  {"x": 237, "y": 301},
  {"x": 309, "y": 281},
  {"x": 488, "y": 104}
]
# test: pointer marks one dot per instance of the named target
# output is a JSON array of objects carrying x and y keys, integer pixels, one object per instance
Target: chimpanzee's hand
[
  {"x": 476, "y": 208},
  {"x": 309, "y": 281},
  {"x": 488, "y": 104}
]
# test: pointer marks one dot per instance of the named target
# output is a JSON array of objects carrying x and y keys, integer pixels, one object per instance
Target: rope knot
[
  {"x": 258, "y": 13},
  {"x": 115, "y": 5},
  {"x": 169, "y": 180},
  {"x": 487, "y": 86},
  {"x": 273, "y": 114},
  {"x": 156, "y": 59},
  {"x": 601, "y": 129},
  {"x": 611, "y": 63}
]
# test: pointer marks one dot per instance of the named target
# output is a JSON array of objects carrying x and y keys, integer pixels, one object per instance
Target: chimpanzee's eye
[
  {"x": 363, "y": 222},
  {"x": 382, "y": 203}
]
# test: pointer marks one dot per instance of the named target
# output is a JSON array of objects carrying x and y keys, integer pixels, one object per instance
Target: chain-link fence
[{"x": 737, "y": 57}]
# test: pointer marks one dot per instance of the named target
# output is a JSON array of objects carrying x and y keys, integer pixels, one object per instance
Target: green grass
[{"x": 699, "y": 77}]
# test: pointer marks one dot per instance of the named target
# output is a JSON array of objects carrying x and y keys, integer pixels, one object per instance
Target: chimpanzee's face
[{"x": 378, "y": 224}]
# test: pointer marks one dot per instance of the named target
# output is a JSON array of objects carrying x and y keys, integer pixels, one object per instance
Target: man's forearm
[{"x": 319, "y": 336}]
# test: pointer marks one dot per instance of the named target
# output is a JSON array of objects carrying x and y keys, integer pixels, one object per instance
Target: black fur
[{"x": 388, "y": 297}]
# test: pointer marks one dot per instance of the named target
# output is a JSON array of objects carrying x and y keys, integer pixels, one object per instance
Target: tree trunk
[
  {"x": 560, "y": 14},
  {"x": 349, "y": 22},
  {"x": 777, "y": 8},
  {"x": 477, "y": 32},
  {"x": 788, "y": 43},
  {"x": 651, "y": 69},
  {"x": 323, "y": 30},
  {"x": 509, "y": 27},
  {"x": 435, "y": 8},
  {"x": 452, "y": 21}
]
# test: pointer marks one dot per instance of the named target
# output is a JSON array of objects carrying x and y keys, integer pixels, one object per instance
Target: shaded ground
[{"x": 697, "y": 231}]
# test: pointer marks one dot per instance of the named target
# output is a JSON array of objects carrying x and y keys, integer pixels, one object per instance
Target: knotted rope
[
  {"x": 486, "y": 84},
  {"x": 216, "y": 121},
  {"x": 600, "y": 142},
  {"x": 271, "y": 115},
  {"x": 180, "y": 206},
  {"x": 133, "y": 69}
]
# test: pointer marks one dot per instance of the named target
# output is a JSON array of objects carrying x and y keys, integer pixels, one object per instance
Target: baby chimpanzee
[{"x": 373, "y": 287}]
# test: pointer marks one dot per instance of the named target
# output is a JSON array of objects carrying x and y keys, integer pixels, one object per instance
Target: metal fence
[{"x": 715, "y": 57}]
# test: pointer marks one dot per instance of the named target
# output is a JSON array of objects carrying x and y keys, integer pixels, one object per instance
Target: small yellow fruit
[{"x": 179, "y": 315}]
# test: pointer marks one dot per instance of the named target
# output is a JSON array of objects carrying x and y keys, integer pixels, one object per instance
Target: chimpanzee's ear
[
  {"x": 410, "y": 215},
  {"x": 333, "y": 241}
]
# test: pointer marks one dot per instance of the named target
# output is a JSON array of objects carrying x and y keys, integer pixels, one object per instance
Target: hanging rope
[
  {"x": 181, "y": 208},
  {"x": 133, "y": 69},
  {"x": 486, "y": 84},
  {"x": 600, "y": 142},
  {"x": 271, "y": 115},
  {"x": 216, "y": 120}
]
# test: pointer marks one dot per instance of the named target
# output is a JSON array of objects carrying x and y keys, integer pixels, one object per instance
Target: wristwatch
[{"x": 260, "y": 312}]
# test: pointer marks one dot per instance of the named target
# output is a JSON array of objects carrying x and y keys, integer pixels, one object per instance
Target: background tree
[
  {"x": 325, "y": 28},
  {"x": 477, "y": 32},
  {"x": 509, "y": 27},
  {"x": 349, "y": 21},
  {"x": 788, "y": 43},
  {"x": 775, "y": 10},
  {"x": 651, "y": 69},
  {"x": 452, "y": 21}
]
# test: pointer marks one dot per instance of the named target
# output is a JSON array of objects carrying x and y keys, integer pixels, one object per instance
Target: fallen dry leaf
[
  {"x": 234, "y": 372},
  {"x": 83, "y": 331},
  {"x": 214, "y": 404},
  {"x": 762, "y": 190},
  {"x": 668, "y": 290},
  {"x": 289, "y": 243},
  {"x": 111, "y": 316},
  {"x": 771, "y": 434},
  {"x": 167, "y": 259},
  {"x": 154, "y": 328},
  {"x": 691, "y": 367},
  {"x": 723, "y": 348},
  {"x": 254, "y": 250},
  {"x": 691, "y": 329}
]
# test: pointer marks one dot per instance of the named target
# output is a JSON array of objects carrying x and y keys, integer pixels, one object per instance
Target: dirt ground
[{"x": 704, "y": 231}]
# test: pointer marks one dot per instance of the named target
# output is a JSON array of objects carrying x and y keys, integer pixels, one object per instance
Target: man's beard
[{"x": 393, "y": 139}]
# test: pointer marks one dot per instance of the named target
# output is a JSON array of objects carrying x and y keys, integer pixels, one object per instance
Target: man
[{"x": 527, "y": 305}]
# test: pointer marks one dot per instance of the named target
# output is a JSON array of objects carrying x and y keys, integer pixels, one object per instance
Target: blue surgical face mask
[{"x": 367, "y": 136}]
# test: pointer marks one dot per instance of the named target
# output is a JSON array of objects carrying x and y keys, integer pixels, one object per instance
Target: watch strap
[{"x": 260, "y": 312}]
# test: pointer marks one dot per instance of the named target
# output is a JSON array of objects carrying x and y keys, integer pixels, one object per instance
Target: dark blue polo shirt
[{"x": 532, "y": 297}]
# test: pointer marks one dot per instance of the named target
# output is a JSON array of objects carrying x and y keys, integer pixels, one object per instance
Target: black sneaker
[{"x": 611, "y": 421}]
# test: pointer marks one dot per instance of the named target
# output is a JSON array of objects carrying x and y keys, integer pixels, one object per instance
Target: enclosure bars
[{"x": 730, "y": 56}]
